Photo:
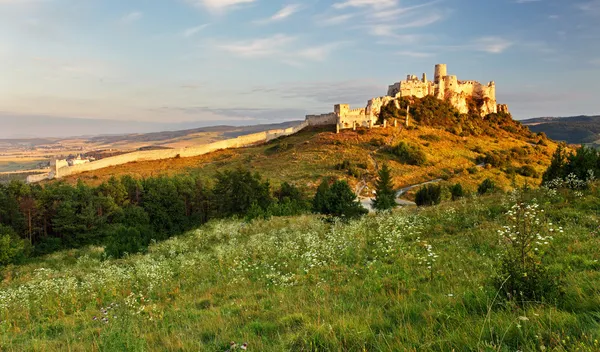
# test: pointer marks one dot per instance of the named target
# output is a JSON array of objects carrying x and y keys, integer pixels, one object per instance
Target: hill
[
  {"x": 406, "y": 281},
  {"x": 455, "y": 149},
  {"x": 575, "y": 129}
]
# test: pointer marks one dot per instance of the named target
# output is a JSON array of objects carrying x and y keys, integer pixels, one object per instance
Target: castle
[{"x": 460, "y": 94}]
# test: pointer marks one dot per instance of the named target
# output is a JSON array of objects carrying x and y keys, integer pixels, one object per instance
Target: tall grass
[{"x": 417, "y": 280}]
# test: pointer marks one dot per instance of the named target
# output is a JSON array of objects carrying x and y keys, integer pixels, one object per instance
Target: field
[
  {"x": 12, "y": 164},
  {"x": 306, "y": 157},
  {"x": 412, "y": 280}
]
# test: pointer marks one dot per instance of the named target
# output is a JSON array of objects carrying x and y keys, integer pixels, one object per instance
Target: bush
[
  {"x": 337, "y": 200},
  {"x": 428, "y": 195},
  {"x": 457, "y": 191},
  {"x": 523, "y": 274},
  {"x": 430, "y": 137},
  {"x": 125, "y": 240},
  {"x": 409, "y": 154},
  {"x": 527, "y": 171},
  {"x": 12, "y": 248},
  {"x": 487, "y": 186}
]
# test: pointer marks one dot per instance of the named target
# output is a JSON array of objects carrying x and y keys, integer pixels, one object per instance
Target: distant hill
[{"x": 574, "y": 129}]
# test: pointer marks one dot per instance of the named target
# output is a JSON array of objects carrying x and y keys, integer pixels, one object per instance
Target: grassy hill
[
  {"x": 304, "y": 158},
  {"x": 575, "y": 129},
  {"x": 412, "y": 280}
]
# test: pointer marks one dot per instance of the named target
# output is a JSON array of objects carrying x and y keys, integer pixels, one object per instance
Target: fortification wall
[
  {"x": 147, "y": 155},
  {"x": 321, "y": 120},
  {"x": 37, "y": 178}
]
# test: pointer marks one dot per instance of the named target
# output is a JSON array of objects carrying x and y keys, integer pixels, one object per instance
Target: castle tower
[
  {"x": 341, "y": 109},
  {"x": 441, "y": 71},
  {"x": 424, "y": 78}
]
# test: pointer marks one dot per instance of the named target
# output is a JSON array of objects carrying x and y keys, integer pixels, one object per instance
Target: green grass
[{"x": 304, "y": 284}]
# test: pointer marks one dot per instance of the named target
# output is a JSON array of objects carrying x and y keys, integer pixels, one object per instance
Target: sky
[{"x": 209, "y": 62}]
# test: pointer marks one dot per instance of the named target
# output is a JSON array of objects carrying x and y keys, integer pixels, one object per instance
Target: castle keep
[{"x": 460, "y": 94}]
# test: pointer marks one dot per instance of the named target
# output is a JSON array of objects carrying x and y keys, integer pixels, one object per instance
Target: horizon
[{"x": 185, "y": 63}]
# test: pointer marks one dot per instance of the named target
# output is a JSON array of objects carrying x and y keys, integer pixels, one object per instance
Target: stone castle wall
[{"x": 60, "y": 168}]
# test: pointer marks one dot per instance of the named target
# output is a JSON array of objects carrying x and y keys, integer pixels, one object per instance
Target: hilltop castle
[{"x": 460, "y": 94}]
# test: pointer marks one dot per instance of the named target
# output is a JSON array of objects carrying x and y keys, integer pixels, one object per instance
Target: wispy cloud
[
  {"x": 190, "y": 32},
  {"x": 259, "y": 47},
  {"x": 286, "y": 12},
  {"x": 595, "y": 62},
  {"x": 590, "y": 7},
  {"x": 218, "y": 5},
  {"x": 526, "y": 1},
  {"x": 132, "y": 17},
  {"x": 282, "y": 48},
  {"x": 492, "y": 45},
  {"x": 333, "y": 20},
  {"x": 414, "y": 54},
  {"x": 376, "y": 4}
]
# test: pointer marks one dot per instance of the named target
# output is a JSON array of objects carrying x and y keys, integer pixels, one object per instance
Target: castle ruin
[{"x": 461, "y": 94}]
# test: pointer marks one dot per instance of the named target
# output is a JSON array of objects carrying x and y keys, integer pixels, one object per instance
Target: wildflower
[{"x": 244, "y": 346}]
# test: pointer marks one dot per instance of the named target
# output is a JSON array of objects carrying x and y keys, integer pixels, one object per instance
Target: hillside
[
  {"x": 413, "y": 280},
  {"x": 303, "y": 159},
  {"x": 575, "y": 129}
]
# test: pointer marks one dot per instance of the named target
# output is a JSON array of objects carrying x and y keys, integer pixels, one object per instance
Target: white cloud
[
  {"x": 282, "y": 14},
  {"x": 259, "y": 47},
  {"x": 415, "y": 54},
  {"x": 333, "y": 20},
  {"x": 190, "y": 32},
  {"x": 320, "y": 52},
  {"x": 492, "y": 45},
  {"x": 376, "y": 4},
  {"x": 591, "y": 7},
  {"x": 218, "y": 5},
  {"x": 132, "y": 17},
  {"x": 525, "y": 1}
]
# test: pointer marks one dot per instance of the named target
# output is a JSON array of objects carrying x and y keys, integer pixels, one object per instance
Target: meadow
[{"x": 416, "y": 279}]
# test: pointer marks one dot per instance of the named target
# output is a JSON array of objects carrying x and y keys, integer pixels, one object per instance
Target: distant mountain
[{"x": 574, "y": 129}]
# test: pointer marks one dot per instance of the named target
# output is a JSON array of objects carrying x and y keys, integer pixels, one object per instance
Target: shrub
[
  {"x": 457, "y": 191},
  {"x": 523, "y": 274},
  {"x": 527, "y": 171},
  {"x": 337, "y": 200},
  {"x": 409, "y": 154},
  {"x": 430, "y": 137},
  {"x": 12, "y": 248},
  {"x": 428, "y": 195},
  {"x": 487, "y": 186},
  {"x": 377, "y": 142},
  {"x": 472, "y": 170},
  {"x": 125, "y": 240}
]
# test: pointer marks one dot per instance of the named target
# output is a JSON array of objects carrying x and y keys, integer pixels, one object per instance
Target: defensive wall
[{"x": 61, "y": 169}]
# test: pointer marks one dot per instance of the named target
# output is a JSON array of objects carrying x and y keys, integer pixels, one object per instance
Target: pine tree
[{"x": 386, "y": 196}]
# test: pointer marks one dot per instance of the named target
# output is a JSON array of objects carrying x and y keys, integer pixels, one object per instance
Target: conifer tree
[{"x": 385, "y": 198}]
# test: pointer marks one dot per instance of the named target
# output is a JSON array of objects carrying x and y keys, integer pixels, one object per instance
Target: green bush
[
  {"x": 337, "y": 200},
  {"x": 527, "y": 171},
  {"x": 427, "y": 195},
  {"x": 457, "y": 191},
  {"x": 125, "y": 240},
  {"x": 409, "y": 154},
  {"x": 487, "y": 186},
  {"x": 12, "y": 248}
]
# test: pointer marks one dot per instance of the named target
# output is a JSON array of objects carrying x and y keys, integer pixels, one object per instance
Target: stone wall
[
  {"x": 321, "y": 120},
  {"x": 60, "y": 168}
]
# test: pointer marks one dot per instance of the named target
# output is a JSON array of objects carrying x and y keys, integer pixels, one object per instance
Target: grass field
[
  {"x": 304, "y": 284},
  {"x": 19, "y": 164},
  {"x": 306, "y": 157}
]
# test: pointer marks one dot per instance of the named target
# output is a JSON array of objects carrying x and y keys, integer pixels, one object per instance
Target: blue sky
[{"x": 258, "y": 61}]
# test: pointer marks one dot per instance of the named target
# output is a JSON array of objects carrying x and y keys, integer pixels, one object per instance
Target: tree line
[{"x": 126, "y": 214}]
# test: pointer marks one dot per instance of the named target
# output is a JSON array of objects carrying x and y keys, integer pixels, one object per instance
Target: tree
[
  {"x": 125, "y": 240},
  {"x": 236, "y": 191},
  {"x": 428, "y": 195},
  {"x": 385, "y": 197},
  {"x": 337, "y": 200},
  {"x": 487, "y": 186},
  {"x": 12, "y": 248},
  {"x": 457, "y": 191},
  {"x": 557, "y": 165}
]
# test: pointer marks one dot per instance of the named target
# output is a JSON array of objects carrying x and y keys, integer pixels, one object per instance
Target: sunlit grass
[{"x": 304, "y": 284}]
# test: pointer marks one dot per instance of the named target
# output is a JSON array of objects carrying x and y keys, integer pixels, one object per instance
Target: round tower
[{"x": 441, "y": 71}]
